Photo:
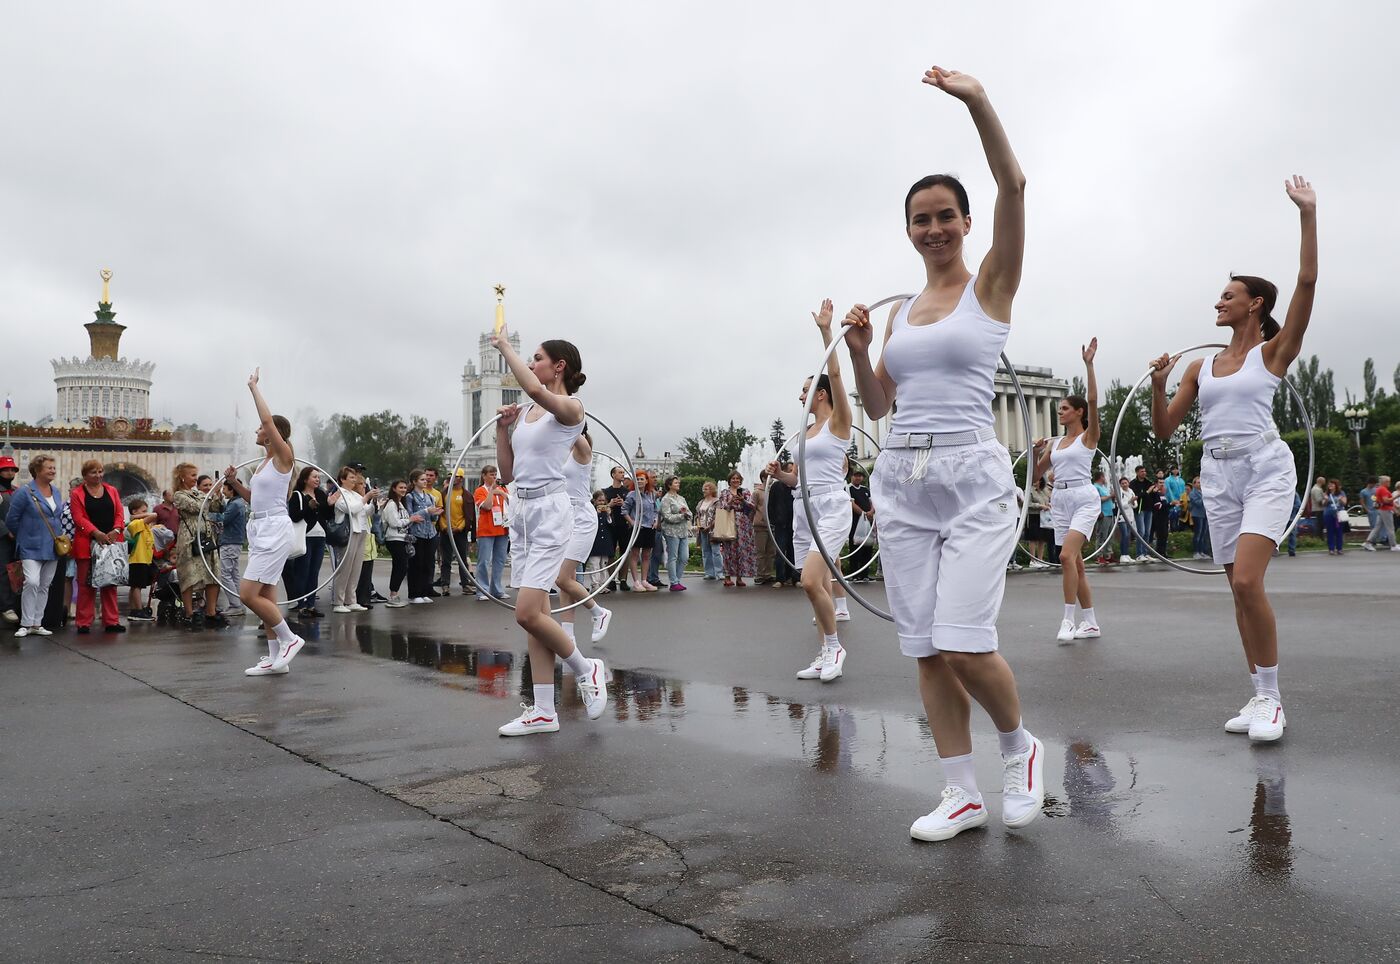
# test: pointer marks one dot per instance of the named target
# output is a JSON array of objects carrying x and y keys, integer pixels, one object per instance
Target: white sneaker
[
  {"x": 340, "y": 609},
  {"x": 395, "y": 603},
  {"x": 10, "y": 616},
  {"x": 357, "y": 608},
  {"x": 600, "y": 623},
  {"x": 265, "y": 667},
  {"x": 419, "y": 600},
  {"x": 1066, "y": 633},
  {"x": 1268, "y": 721},
  {"x": 1368, "y": 547},
  {"x": 1086, "y": 630},
  {"x": 1395, "y": 548},
  {"x": 1023, "y": 785},
  {"x": 22, "y": 632},
  {"x": 40, "y": 631},
  {"x": 286, "y": 652},
  {"x": 958, "y": 812},
  {"x": 840, "y": 618},
  {"x": 593, "y": 688},
  {"x": 833, "y": 662},
  {"x": 531, "y": 721},
  {"x": 1240, "y": 723},
  {"x": 815, "y": 670}
]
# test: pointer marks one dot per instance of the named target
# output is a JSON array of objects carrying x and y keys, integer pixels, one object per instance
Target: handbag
[
  {"x": 338, "y": 530},
  {"x": 205, "y": 545},
  {"x": 62, "y": 545},
  {"x": 108, "y": 566},
  {"x": 725, "y": 528},
  {"x": 298, "y": 540},
  {"x": 865, "y": 531}
]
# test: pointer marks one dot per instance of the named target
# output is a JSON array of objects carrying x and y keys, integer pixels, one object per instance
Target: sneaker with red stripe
[
  {"x": 533, "y": 720},
  {"x": 1023, "y": 785},
  {"x": 1268, "y": 721},
  {"x": 959, "y": 811},
  {"x": 593, "y": 690}
]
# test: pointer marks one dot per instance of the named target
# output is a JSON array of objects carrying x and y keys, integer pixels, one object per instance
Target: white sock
[
  {"x": 283, "y": 632},
  {"x": 272, "y": 645},
  {"x": 1015, "y": 743},
  {"x": 1089, "y": 617},
  {"x": 959, "y": 772},
  {"x": 1069, "y": 611},
  {"x": 1254, "y": 678},
  {"x": 579, "y": 664},
  {"x": 1268, "y": 681},
  {"x": 831, "y": 641},
  {"x": 544, "y": 699},
  {"x": 568, "y": 629},
  {"x": 841, "y": 604}
]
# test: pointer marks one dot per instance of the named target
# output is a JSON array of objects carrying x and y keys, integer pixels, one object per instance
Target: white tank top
[
  {"x": 1073, "y": 464},
  {"x": 541, "y": 448},
  {"x": 267, "y": 489},
  {"x": 578, "y": 480},
  {"x": 1237, "y": 406},
  {"x": 826, "y": 454},
  {"x": 944, "y": 373}
]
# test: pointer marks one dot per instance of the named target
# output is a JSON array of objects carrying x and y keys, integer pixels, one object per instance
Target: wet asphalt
[{"x": 155, "y": 804}]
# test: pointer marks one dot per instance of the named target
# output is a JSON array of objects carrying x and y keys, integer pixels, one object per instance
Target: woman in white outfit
[
  {"x": 350, "y": 500},
  {"x": 943, "y": 486},
  {"x": 1247, "y": 472},
  {"x": 269, "y": 535},
  {"x": 543, "y": 523},
  {"x": 578, "y": 478},
  {"x": 1075, "y": 506},
  {"x": 824, "y": 470}
]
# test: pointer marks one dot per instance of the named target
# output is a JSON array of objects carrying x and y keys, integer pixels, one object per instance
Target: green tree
[
  {"x": 1077, "y": 386},
  {"x": 778, "y": 435},
  {"x": 1319, "y": 398},
  {"x": 1333, "y": 453},
  {"x": 1135, "y": 436},
  {"x": 1387, "y": 452},
  {"x": 1368, "y": 381},
  {"x": 713, "y": 451},
  {"x": 1395, "y": 379},
  {"x": 390, "y": 446}
]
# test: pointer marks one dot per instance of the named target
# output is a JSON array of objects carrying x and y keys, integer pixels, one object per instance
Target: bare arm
[
  {"x": 1000, "y": 274},
  {"x": 231, "y": 477},
  {"x": 282, "y": 456},
  {"x": 1281, "y": 350},
  {"x": 875, "y": 386},
  {"x": 787, "y": 478},
  {"x": 841, "y": 415},
  {"x": 1167, "y": 418},
  {"x": 1091, "y": 385},
  {"x": 1040, "y": 455},
  {"x": 567, "y": 409},
  {"x": 505, "y": 452}
]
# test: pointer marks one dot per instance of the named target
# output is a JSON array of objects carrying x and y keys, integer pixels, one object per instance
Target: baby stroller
[{"x": 166, "y": 588}]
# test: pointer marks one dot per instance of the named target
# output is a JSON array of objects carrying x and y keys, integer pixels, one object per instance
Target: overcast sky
[{"x": 330, "y": 190}]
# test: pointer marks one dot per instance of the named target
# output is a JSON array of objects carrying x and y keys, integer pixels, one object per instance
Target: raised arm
[
  {"x": 1040, "y": 458},
  {"x": 1283, "y": 348},
  {"x": 282, "y": 456},
  {"x": 1091, "y": 388},
  {"x": 231, "y": 477},
  {"x": 567, "y": 409},
  {"x": 874, "y": 384},
  {"x": 841, "y": 416},
  {"x": 1167, "y": 418},
  {"x": 1000, "y": 274},
  {"x": 505, "y": 452}
]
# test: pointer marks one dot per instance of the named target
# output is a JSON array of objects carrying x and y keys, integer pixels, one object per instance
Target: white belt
[
  {"x": 816, "y": 490},
  {"x": 1228, "y": 448},
  {"x": 929, "y": 440},
  {"x": 540, "y": 491},
  {"x": 1071, "y": 485},
  {"x": 268, "y": 513}
]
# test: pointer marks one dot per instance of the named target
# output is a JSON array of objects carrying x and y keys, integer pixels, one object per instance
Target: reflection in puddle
[
  {"x": 1089, "y": 786},
  {"x": 1270, "y": 849}
]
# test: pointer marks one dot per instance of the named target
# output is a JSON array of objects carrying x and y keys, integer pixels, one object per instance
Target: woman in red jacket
[{"x": 97, "y": 519}]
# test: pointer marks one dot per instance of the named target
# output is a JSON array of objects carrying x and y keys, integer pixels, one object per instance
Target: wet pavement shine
[{"x": 158, "y": 804}]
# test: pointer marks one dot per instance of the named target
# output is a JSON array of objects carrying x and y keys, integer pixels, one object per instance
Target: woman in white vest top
[
  {"x": 1247, "y": 473},
  {"x": 533, "y": 456},
  {"x": 578, "y": 477},
  {"x": 824, "y": 470},
  {"x": 1075, "y": 506},
  {"x": 943, "y": 486}
]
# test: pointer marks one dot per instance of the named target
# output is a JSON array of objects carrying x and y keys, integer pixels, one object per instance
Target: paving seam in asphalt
[{"x": 644, "y": 908}]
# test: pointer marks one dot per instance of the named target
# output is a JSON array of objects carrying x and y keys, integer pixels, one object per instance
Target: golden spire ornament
[{"x": 500, "y": 308}]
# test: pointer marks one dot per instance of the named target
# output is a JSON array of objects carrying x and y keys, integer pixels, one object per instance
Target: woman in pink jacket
[{"x": 98, "y": 521}]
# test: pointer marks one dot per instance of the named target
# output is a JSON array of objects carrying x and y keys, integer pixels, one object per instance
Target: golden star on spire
[{"x": 500, "y": 291}]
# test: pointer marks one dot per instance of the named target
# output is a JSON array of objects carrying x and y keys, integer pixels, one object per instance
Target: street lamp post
[{"x": 1356, "y": 421}]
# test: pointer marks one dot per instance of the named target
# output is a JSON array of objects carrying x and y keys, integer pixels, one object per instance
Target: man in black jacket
[
  {"x": 861, "y": 507},
  {"x": 615, "y": 494},
  {"x": 1140, "y": 485},
  {"x": 9, "y": 601},
  {"x": 780, "y": 529}
]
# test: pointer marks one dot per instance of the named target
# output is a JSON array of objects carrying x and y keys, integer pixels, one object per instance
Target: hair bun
[{"x": 577, "y": 379}]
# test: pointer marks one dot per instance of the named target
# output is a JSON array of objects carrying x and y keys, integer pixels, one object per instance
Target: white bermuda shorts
[
  {"x": 540, "y": 531},
  {"x": 585, "y": 532},
  {"x": 945, "y": 540},
  {"x": 269, "y": 543},
  {"x": 1252, "y": 492},
  {"x": 833, "y": 512},
  {"x": 1076, "y": 508}
]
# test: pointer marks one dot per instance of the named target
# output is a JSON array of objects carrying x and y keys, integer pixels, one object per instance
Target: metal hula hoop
[
  {"x": 1108, "y": 540},
  {"x": 874, "y": 557},
  {"x": 1113, "y": 461},
  {"x": 802, "y": 451},
  {"x": 588, "y": 416},
  {"x": 199, "y": 544}
]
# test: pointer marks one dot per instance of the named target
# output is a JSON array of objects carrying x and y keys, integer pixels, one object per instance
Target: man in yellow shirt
[
  {"x": 463, "y": 516},
  {"x": 440, "y": 523}
]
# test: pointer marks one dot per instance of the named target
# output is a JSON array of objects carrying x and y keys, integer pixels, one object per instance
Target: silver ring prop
[
  {"x": 1108, "y": 540},
  {"x": 471, "y": 574},
  {"x": 203, "y": 505},
  {"x": 858, "y": 546},
  {"x": 1113, "y": 461},
  {"x": 802, "y": 451}
]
